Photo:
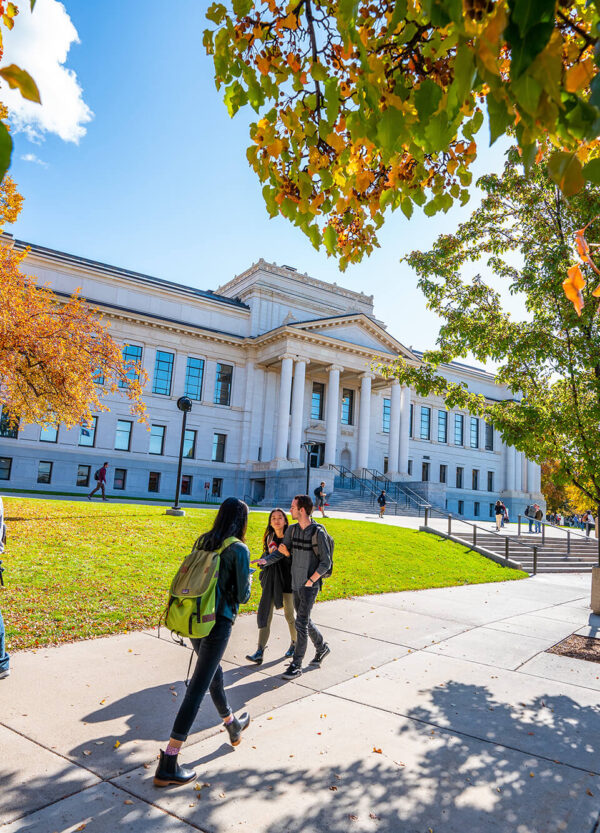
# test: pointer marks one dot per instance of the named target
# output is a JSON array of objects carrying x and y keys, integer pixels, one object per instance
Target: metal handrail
[
  {"x": 567, "y": 532},
  {"x": 364, "y": 485},
  {"x": 399, "y": 489},
  {"x": 475, "y": 527},
  {"x": 249, "y": 500}
]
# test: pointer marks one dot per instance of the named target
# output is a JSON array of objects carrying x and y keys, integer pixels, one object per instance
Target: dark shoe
[
  {"x": 170, "y": 772},
  {"x": 236, "y": 727},
  {"x": 292, "y": 671},
  {"x": 257, "y": 656},
  {"x": 4, "y": 674},
  {"x": 290, "y": 651},
  {"x": 320, "y": 655}
]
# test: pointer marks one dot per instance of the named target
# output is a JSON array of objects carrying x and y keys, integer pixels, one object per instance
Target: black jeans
[
  {"x": 304, "y": 600},
  {"x": 207, "y": 676}
]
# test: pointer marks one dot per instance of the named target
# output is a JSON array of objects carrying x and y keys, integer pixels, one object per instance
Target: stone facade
[{"x": 272, "y": 359}]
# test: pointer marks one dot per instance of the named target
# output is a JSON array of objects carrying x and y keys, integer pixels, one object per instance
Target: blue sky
[{"x": 159, "y": 183}]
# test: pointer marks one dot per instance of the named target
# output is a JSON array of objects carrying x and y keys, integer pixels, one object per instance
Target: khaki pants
[{"x": 290, "y": 618}]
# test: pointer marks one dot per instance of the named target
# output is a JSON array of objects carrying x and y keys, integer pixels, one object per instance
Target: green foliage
[
  {"x": 78, "y": 570},
  {"x": 549, "y": 358}
]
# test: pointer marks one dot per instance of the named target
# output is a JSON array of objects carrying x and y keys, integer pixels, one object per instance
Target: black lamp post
[
  {"x": 308, "y": 447},
  {"x": 185, "y": 405}
]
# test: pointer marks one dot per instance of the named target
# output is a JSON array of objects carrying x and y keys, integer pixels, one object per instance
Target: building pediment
[{"x": 356, "y": 329}]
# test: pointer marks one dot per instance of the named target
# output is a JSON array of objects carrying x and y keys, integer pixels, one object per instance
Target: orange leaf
[
  {"x": 579, "y": 76},
  {"x": 573, "y": 286}
]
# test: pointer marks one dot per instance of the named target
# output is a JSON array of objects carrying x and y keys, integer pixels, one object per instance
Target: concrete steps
[
  {"x": 350, "y": 500},
  {"x": 552, "y": 554}
]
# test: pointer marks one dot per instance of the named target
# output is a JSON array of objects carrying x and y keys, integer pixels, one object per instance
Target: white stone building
[{"x": 272, "y": 359}]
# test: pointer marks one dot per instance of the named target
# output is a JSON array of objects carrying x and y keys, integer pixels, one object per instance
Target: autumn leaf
[
  {"x": 573, "y": 287},
  {"x": 378, "y": 751}
]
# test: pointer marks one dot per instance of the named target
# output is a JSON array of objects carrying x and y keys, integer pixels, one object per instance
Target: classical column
[
  {"x": 404, "y": 430},
  {"x": 518, "y": 471},
  {"x": 297, "y": 408},
  {"x": 538, "y": 478},
  {"x": 248, "y": 412},
  {"x": 394, "y": 448},
  {"x": 364, "y": 424},
  {"x": 511, "y": 464},
  {"x": 332, "y": 415},
  {"x": 531, "y": 467},
  {"x": 283, "y": 414}
]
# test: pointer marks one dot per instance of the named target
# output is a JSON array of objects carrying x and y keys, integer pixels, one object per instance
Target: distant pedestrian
[
  {"x": 588, "y": 520},
  {"x": 505, "y": 516},
  {"x": 381, "y": 501},
  {"x": 100, "y": 477},
  {"x": 499, "y": 513},
  {"x": 320, "y": 496},
  {"x": 538, "y": 517},
  {"x": 4, "y": 657},
  {"x": 529, "y": 514}
]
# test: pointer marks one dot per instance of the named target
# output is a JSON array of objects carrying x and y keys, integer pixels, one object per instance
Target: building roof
[
  {"x": 138, "y": 277},
  {"x": 459, "y": 366}
]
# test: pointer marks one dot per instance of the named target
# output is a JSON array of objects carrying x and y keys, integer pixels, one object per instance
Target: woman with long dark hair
[
  {"x": 276, "y": 583},
  {"x": 233, "y": 589}
]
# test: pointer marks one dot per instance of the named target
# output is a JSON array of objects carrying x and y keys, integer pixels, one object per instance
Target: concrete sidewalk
[{"x": 437, "y": 710}]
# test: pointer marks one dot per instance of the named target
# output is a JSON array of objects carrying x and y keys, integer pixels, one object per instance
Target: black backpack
[
  {"x": 97, "y": 474},
  {"x": 317, "y": 492},
  {"x": 315, "y": 547}
]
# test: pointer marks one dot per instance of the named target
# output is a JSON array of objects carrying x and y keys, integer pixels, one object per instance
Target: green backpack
[{"x": 190, "y": 610}]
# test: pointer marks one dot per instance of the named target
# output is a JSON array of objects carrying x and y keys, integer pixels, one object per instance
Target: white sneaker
[{"x": 4, "y": 674}]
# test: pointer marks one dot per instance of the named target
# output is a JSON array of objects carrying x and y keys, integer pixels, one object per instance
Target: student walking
[
  {"x": 538, "y": 517},
  {"x": 320, "y": 496},
  {"x": 588, "y": 520},
  {"x": 100, "y": 476},
  {"x": 529, "y": 514},
  {"x": 499, "y": 513},
  {"x": 381, "y": 501},
  {"x": 233, "y": 589},
  {"x": 505, "y": 516},
  {"x": 276, "y": 584},
  {"x": 310, "y": 548}
]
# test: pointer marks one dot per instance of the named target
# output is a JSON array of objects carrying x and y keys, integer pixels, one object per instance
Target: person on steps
[
  {"x": 276, "y": 584},
  {"x": 320, "y": 496},
  {"x": 381, "y": 501},
  {"x": 499, "y": 513},
  {"x": 233, "y": 589}
]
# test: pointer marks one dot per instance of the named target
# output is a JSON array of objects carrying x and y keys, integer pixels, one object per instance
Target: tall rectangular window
[
  {"x": 217, "y": 486},
  {"x": 132, "y": 353},
  {"x": 154, "y": 481},
  {"x": 492, "y": 510},
  {"x": 443, "y": 473},
  {"x": 317, "y": 455},
  {"x": 120, "y": 478},
  {"x": 461, "y": 507},
  {"x": 459, "y": 477},
  {"x": 49, "y": 434},
  {"x": 8, "y": 429},
  {"x": 475, "y": 479},
  {"x": 157, "y": 439},
  {"x": 476, "y": 509},
  {"x": 474, "y": 432},
  {"x": 83, "y": 475},
  {"x": 489, "y": 437},
  {"x": 87, "y": 433},
  {"x": 194, "y": 375},
  {"x": 425, "y": 423},
  {"x": 410, "y": 467},
  {"x": 425, "y": 472},
  {"x": 5, "y": 467},
  {"x": 387, "y": 415},
  {"x": 44, "y": 472},
  {"x": 442, "y": 426},
  {"x": 218, "y": 449},
  {"x": 223, "y": 384},
  {"x": 490, "y": 476},
  {"x": 123, "y": 435},
  {"x": 410, "y": 420},
  {"x": 186, "y": 484},
  {"x": 163, "y": 373},
  {"x": 347, "y": 407},
  {"x": 459, "y": 429},
  {"x": 318, "y": 397},
  {"x": 189, "y": 443}
]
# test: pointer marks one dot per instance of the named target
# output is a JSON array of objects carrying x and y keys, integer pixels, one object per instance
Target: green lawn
[{"x": 77, "y": 570}]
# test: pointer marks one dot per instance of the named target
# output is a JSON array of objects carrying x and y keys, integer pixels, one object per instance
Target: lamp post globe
[{"x": 184, "y": 403}]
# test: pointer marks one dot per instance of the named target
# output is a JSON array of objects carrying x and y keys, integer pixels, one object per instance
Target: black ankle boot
[
  {"x": 290, "y": 651},
  {"x": 257, "y": 656},
  {"x": 236, "y": 727},
  {"x": 170, "y": 772}
]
